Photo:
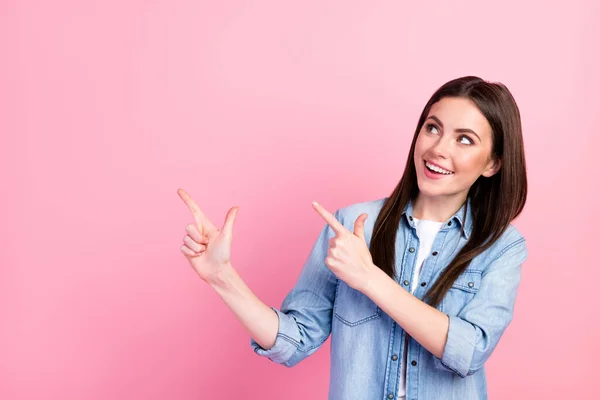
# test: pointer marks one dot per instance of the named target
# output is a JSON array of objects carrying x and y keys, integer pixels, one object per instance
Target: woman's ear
[{"x": 493, "y": 167}]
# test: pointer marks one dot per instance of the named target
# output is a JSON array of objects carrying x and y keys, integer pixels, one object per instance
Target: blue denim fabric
[{"x": 367, "y": 345}]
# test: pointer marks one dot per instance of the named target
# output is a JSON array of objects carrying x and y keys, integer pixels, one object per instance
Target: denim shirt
[{"x": 367, "y": 345}]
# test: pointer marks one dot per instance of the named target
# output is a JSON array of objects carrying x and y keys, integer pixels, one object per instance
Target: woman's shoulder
[
  {"x": 510, "y": 244},
  {"x": 348, "y": 213},
  {"x": 511, "y": 237}
]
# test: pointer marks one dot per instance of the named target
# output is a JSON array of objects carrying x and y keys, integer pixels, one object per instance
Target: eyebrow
[{"x": 460, "y": 130}]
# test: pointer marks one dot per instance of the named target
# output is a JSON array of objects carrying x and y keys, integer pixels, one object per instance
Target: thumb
[
  {"x": 229, "y": 221},
  {"x": 359, "y": 226}
]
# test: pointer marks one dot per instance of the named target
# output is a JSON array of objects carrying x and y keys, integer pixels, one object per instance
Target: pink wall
[{"x": 107, "y": 107}]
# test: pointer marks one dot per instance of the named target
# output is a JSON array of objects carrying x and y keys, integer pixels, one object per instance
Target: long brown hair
[{"x": 495, "y": 201}]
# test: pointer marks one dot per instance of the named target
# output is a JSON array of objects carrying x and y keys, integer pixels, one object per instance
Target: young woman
[{"x": 416, "y": 289}]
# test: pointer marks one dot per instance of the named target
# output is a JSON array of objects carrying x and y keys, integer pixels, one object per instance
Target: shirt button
[
  {"x": 412, "y": 249},
  {"x": 435, "y": 253},
  {"x": 471, "y": 284},
  {"x": 423, "y": 283},
  {"x": 413, "y": 363},
  {"x": 405, "y": 283},
  {"x": 394, "y": 357},
  {"x": 390, "y": 396},
  {"x": 449, "y": 223},
  {"x": 410, "y": 217}
]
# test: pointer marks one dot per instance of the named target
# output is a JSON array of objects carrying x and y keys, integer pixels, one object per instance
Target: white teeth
[{"x": 437, "y": 169}]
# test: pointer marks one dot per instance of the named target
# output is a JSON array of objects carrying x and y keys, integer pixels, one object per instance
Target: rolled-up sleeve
[
  {"x": 306, "y": 312},
  {"x": 475, "y": 332}
]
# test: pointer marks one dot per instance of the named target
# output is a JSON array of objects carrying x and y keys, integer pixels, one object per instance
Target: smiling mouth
[{"x": 437, "y": 170}]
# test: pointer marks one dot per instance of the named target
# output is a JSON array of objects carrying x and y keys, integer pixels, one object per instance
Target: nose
[{"x": 441, "y": 147}]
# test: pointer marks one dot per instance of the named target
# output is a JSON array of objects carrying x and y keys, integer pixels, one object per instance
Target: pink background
[{"x": 108, "y": 107}]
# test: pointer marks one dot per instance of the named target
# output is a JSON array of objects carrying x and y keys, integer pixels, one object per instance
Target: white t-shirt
[{"x": 426, "y": 231}]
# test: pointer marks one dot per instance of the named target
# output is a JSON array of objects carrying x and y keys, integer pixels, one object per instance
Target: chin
[
  {"x": 428, "y": 192},
  {"x": 431, "y": 190}
]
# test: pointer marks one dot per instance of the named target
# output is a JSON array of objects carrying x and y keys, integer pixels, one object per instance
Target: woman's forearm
[
  {"x": 425, "y": 324},
  {"x": 259, "y": 320}
]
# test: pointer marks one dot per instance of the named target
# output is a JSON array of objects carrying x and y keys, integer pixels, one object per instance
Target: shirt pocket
[
  {"x": 462, "y": 292},
  {"x": 352, "y": 307}
]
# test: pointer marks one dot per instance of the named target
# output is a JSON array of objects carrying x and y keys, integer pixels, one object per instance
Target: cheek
[
  {"x": 420, "y": 147},
  {"x": 469, "y": 163}
]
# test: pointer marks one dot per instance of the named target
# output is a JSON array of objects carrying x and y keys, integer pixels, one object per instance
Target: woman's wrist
[
  {"x": 224, "y": 278},
  {"x": 374, "y": 280}
]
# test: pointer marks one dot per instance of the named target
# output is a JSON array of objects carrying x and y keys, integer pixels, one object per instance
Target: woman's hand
[
  {"x": 348, "y": 257},
  {"x": 207, "y": 248}
]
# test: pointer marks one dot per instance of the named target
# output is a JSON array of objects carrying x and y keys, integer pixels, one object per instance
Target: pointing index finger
[
  {"x": 192, "y": 206},
  {"x": 337, "y": 227}
]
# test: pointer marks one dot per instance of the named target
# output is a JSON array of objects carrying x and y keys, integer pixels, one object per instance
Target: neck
[{"x": 437, "y": 208}]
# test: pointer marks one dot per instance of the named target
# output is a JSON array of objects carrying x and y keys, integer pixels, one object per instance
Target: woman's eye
[
  {"x": 465, "y": 140},
  {"x": 430, "y": 127}
]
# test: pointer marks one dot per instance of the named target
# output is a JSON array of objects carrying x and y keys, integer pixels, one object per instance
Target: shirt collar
[{"x": 465, "y": 221}]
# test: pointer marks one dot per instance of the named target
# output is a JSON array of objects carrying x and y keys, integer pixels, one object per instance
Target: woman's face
[{"x": 453, "y": 149}]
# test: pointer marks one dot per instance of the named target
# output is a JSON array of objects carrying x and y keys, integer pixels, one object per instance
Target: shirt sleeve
[
  {"x": 475, "y": 332},
  {"x": 306, "y": 312}
]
